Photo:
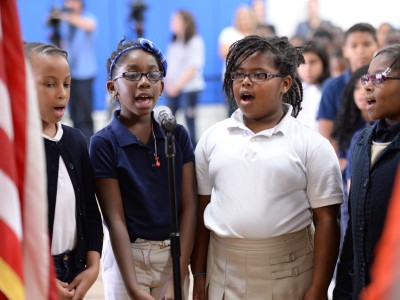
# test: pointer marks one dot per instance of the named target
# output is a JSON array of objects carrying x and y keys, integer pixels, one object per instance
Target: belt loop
[{"x": 293, "y": 272}]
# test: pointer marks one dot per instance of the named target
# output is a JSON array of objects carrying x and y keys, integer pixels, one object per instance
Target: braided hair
[
  {"x": 392, "y": 52},
  {"x": 349, "y": 117},
  {"x": 118, "y": 56},
  {"x": 43, "y": 49},
  {"x": 285, "y": 56}
]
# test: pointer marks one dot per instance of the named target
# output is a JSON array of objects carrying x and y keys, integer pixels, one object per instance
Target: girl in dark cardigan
[{"x": 74, "y": 219}]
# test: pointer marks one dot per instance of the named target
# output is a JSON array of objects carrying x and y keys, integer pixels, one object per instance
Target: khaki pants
[
  {"x": 275, "y": 268},
  {"x": 153, "y": 266}
]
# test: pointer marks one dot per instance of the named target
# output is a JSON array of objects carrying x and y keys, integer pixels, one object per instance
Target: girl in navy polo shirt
[
  {"x": 74, "y": 219},
  {"x": 131, "y": 170}
]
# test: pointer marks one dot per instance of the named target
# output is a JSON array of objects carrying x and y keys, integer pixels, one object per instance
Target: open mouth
[
  {"x": 247, "y": 97},
  {"x": 59, "y": 110},
  {"x": 143, "y": 98},
  {"x": 370, "y": 101}
]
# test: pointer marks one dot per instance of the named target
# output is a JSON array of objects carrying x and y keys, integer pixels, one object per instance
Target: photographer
[{"x": 76, "y": 32}]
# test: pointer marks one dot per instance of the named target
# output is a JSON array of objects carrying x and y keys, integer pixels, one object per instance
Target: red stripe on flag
[
  {"x": 7, "y": 153},
  {"x": 11, "y": 248},
  {"x": 39, "y": 279},
  {"x": 15, "y": 78}
]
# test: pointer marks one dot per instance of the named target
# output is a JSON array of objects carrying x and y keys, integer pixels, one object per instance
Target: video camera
[
  {"x": 136, "y": 16},
  {"x": 54, "y": 20}
]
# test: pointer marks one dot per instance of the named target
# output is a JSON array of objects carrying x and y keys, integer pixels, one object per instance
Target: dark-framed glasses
[
  {"x": 255, "y": 77},
  {"x": 153, "y": 76}
]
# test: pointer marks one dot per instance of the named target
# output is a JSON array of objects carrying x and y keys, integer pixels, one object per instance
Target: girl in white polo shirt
[{"x": 263, "y": 177}]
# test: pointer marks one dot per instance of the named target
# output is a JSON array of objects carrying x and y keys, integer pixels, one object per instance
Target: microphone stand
[{"x": 168, "y": 124}]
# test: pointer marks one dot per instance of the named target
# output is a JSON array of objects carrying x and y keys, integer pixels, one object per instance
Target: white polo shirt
[{"x": 265, "y": 184}]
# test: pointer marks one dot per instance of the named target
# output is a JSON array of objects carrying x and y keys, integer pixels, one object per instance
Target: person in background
[
  {"x": 312, "y": 74},
  {"x": 186, "y": 59},
  {"x": 382, "y": 33},
  {"x": 262, "y": 27},
  {"x": 337, "y": 63},
  {"x": 263, "y": 177},
  {"x": 132, "y": 180},
  {"x": 359, "y": 46},
  {"x": 74, "y": 219},
  {"x": 375, "y": 160},
  {"x": 307, "y": 28},
  {"x": 77, "y": 30},
  {"x": 244, "y": 24},
  {"x": 351, "y": 119}
]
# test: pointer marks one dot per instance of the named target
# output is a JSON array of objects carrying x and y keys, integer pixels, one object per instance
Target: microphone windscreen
[{"x": 159, "y": 111}]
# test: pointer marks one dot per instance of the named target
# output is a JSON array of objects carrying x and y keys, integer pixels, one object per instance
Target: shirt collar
[
  {"x": 384, "y": 133},
  {"x": 236, "y": 122},
  {"x": 58, "y": 135},
  {"x": 125, "y": 137}
]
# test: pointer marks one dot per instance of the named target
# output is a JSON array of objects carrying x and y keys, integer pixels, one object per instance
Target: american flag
[{"x": 26, "y": 270}]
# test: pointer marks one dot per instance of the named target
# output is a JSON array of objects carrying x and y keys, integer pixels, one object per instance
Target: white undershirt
[
  {"x": 64, "y": 228},
  {"x": 376, "y": 150}
]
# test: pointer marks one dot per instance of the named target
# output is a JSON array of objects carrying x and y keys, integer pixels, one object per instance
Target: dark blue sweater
[
  {"x": 371, "y": 189},
  {"x": 73, "y": 149}
]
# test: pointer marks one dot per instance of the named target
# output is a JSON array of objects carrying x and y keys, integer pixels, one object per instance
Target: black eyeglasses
[
  {"x": 255, "y": 77},
  {"x": 153, "y": 77},
  {"x": 378, "y": 78}
]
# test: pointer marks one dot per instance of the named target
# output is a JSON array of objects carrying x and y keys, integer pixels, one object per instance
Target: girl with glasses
[
  {"x": 263, "y": 178},
  {"x": 131, "y": 171},
  {"x": 375, "y": 158}
]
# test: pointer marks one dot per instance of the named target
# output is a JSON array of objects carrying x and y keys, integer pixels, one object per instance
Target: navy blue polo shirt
[
  {"x": 116, "y": 153},
  {"x": 330, "y": 98}
]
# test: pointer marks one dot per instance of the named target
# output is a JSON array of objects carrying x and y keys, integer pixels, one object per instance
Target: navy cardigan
[
  {"x": 73, "y": 149},
  {"x": 371, "y": 189}
]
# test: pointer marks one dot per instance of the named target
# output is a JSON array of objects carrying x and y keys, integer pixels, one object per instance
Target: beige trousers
[
  {"x": 274, "y": 268},
  {"x": 153, "y": 266}
]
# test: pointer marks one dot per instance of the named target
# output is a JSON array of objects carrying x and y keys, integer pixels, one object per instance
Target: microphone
[{"x": 165, "y": 118}]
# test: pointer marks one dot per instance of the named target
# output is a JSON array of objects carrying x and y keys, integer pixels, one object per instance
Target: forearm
[
  {"x": 80, "y": 21},
  {"x": 326, "y": 249},
  {"x": 198, "y": 261},
  {"x": 93, "y": 260},
  {"x": 123, "y": 255},
  {"x": 185, "y": 78},
  {"x": 187, "y": 233}
]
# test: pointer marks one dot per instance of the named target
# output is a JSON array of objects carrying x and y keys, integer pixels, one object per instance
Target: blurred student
[
  {"x": 359, "y": 46},
  {"x": 312, "y": 73},
  {"x": 186, "y": 58}
]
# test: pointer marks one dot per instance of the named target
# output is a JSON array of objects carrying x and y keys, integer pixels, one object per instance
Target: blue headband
[{"x": 146, "y": 45}]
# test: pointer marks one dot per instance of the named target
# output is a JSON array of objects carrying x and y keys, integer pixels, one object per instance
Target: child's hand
[
  {"x": 82, "y": 283},
  {"x": 63, "y": 291},
  {"x": 199, "y": 288},
  {"x": 142, "y": 295}
]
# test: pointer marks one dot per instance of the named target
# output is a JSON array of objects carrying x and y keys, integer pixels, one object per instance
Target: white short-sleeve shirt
[{"x": 265, "y": 184}]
